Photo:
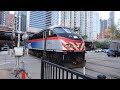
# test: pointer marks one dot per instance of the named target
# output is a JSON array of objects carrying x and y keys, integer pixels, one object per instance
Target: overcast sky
[
  {"x": 102, "y": 14},
  {"x": 105, "y": 15}
]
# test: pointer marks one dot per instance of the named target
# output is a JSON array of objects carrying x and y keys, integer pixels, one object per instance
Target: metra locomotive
[{"x": 62, "y": 45}]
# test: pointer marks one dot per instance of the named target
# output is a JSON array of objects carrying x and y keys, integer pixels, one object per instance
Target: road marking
[{"x": 4, "y": 63}]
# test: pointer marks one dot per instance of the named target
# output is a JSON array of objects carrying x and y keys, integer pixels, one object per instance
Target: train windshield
[
  {"x": 62, "y": 30},
  {"x": 66, "y": 32}
]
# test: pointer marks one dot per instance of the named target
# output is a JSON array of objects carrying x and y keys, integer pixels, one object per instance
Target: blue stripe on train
[{"x": 36, "y": 44}]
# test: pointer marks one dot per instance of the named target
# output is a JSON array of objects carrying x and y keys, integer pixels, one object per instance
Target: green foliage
[
  {"x": 101, "y": 44},
  {"x": 115, "y": 34},
  {"x": 98, "y": 45},
  {"x": 85, "y": 37}
]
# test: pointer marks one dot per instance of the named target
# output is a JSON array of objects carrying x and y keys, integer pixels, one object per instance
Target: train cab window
[
  {"x": 67, "y": 33},
  {"x": 59, "y": 30},
  {"x": 51, "y": 33},
  {"x": 38, "y": 36}
]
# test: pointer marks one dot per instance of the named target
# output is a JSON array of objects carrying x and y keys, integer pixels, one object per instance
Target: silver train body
[{"x": 58, "y": 42}]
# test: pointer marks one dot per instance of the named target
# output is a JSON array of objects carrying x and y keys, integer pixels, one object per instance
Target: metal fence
[{"x": 53, "y": 71}]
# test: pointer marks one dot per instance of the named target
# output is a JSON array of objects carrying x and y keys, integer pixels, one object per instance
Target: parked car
[
  {"x": 5, "y": 48},
  {"x": 106, "y": 50},
  {"x": 113, "y": 53},
  {"x": 99, "y": 50}
]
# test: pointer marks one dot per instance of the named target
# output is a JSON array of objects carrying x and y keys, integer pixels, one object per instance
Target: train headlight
[
  {"x": 69, "y": 45},
  {"x": 78, "y": 45}
]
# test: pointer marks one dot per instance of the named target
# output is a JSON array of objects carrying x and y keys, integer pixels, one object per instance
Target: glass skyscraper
[
  {"x": 38, "y": 20},
  {"x": 23, "y": 20}
]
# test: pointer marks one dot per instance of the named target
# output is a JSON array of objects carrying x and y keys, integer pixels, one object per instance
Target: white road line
[{"x": 4, "y": 63}]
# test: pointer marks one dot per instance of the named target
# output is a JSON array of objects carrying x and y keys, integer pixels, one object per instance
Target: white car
[
  {"x": 106, "y": 50},
  {"x": 98, "y": 50},
  {"x": 5, "y": 48}
]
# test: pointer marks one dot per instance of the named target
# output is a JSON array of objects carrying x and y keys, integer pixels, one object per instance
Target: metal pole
[
  {"x": 84, "y": 70},
  {"x": 44, "y": 52},
  {"x": 42, "y": 69},
  {"x": 17, "y": 62},
  {"x": 19, "y": 14},
  {"x": 83, "y": 63}
]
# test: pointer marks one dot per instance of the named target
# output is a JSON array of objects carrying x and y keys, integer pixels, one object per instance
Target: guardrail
[{"x": 50, "y": 70}]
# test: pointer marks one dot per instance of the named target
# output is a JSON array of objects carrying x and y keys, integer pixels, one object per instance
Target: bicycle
[{"x": 21, "y": 73}]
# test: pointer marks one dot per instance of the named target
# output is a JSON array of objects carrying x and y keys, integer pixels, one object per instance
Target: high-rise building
[
  {"x": 3, "y": 17},
  {"x": 38, "y": 20},
  {"x": 111, "y": 19},
  {"x": 98, "y": 24},
  {"x": 69, "y": 19},
  {"x": 23, "y": 20},
  {"x": 112, "y": 16},
  {"x": 0, "y": 17},
  {"x": 88, "y": 24},
  {"x": 103, "y": 24},
  {"x": 6, "y": 21},
  {"x": 103, "y": 28},
  {"x": 32, "y": 21},
  {"x": 9, "y": 20},
  {"x": 82, "y": 22},
  {"x": 16, "y": 20}
]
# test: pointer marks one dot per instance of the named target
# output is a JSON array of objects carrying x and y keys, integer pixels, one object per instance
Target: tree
[
  {"x": 101, "y": 44},
  {"x": 111, "y": 30},
  {"x": 85, "y": 37},
  {"x": 106, "y": 33},
  {"x": 114, "y": 32}
]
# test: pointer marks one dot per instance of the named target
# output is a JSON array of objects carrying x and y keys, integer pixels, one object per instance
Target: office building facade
[
  {"x": 3, "y": 17},
  {"x": 9, "y": 20},
  {"x": 23, "y": 20},
  {"x": 111, "y": 19}
]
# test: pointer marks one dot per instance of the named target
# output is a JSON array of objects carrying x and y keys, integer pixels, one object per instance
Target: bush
[{"x": 102, "y": 45}]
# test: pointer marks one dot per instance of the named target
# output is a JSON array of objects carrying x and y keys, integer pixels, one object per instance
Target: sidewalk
[
  {"x": 4, "y": 74},
  {"x": 8, "y": 65}
]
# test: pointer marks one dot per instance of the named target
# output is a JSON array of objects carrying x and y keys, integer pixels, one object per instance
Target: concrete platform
[{"x": 8, "y": 65}]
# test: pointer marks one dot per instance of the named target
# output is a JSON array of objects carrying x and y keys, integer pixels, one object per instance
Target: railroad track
[
  {"x": 106, "y": 74},
  {"x": 103, "y": 65}
]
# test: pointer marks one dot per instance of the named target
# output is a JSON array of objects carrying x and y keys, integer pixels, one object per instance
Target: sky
[
  {"x": 102, "y": 15},
  {"x": 105, "y": 15},
  {"x": 11, "y": 12}
]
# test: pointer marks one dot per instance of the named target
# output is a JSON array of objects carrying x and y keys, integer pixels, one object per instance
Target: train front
[{"x": 73, "y": 46}]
